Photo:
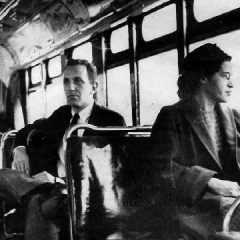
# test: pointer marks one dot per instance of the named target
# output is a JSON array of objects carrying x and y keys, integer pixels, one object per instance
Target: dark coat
[
  {"x": 43, "y": 152},
  {"x": 183, "y": 155}
]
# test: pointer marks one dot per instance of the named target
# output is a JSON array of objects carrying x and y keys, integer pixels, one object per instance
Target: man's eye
[
  {"x": 65, "y": 81},
  {"x": 78, "y": 81}
]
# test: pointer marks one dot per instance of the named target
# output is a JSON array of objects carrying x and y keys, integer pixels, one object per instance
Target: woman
[{"x": 195, "y": 142}]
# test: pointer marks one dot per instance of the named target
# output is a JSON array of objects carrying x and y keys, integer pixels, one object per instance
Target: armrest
[{"x": 231, "y": 220}]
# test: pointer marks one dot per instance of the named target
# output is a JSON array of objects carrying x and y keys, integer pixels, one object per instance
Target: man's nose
[{"x": 71, "y": 86}]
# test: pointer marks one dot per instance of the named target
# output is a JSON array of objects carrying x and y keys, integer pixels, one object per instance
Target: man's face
[
  {"x": 79, "y": 92},
  {"x": 219, "y": 85}
]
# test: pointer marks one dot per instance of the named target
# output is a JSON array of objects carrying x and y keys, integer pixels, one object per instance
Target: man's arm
[{"x": 21, "y": 161}]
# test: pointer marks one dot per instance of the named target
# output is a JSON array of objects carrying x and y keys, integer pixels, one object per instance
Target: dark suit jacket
[
  {"x": 43, "y": 152},
  {"x": 183, "y": 155}
]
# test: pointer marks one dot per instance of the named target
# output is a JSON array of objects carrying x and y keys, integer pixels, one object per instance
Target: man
[
  {"x": 195, "y": 144},
  {"x": 80, "y": 86}
]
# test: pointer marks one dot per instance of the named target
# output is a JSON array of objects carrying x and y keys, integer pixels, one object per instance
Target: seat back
[
  {"x": 7, "y": 145},
  {"x": 104, "y": 175}
]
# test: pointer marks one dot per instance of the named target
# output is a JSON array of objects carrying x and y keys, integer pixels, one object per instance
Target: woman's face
[{"x": 219, "y": 85}]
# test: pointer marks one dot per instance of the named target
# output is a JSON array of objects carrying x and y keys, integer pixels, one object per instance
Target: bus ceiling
[{"x": 30, "y": 30}]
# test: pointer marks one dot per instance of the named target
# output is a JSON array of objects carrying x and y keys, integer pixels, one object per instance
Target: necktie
[{"x": 73, "y": 122}]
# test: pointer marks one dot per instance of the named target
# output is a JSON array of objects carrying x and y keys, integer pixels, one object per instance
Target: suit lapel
[
  {"x": 228, "y": 125},
  {"x": 94, "y": 117},
  {"x": 229, "y": 128},
  {"x": 200, "y": 128}
]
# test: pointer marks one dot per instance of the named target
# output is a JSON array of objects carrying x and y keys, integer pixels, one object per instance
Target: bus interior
[{"x": 137, "y": 46}]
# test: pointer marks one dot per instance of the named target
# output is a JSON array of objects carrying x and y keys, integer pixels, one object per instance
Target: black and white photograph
[{"x": 119, "y": 120}]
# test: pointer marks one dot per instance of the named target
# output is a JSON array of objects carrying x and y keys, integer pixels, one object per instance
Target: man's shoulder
[
  {"x": 107, "y": 116},
  {"x": 62, "y": 111},
  {"x": 106, "y": 110},
  {"x": 59, "y": 117}
]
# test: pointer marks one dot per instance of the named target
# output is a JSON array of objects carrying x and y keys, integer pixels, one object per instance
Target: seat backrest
[{"x": 106, "y": 173}]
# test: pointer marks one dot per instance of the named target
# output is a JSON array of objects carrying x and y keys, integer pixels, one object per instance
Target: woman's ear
[{"x": 203, "y": 80}]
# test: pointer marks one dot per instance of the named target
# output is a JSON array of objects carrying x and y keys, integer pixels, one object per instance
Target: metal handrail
[
  {"x": 105, "y": 129},
  {"x": 5, "y": 136},
  {"x": 228, "y": 216},
  {"x": 69, "y": 178}
]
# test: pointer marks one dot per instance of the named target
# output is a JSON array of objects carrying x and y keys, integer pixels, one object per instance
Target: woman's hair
[{"x": 198, "y": 64}]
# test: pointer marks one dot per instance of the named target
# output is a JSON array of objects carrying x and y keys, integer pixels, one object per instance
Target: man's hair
[
  {"x": 198, "y": 64},
  {"x": 91, "y": 69}
]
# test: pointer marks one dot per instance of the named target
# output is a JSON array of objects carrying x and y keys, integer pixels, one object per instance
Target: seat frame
[{"x": 144, "y": 131}]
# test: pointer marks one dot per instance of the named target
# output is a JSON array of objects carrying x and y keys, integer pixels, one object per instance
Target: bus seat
[
  {"x": 230, "y": 229},
  {"x": 7, "y": 210},
  {"x": 106, "y": 185}
]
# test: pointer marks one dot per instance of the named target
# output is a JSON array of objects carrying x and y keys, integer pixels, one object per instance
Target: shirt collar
[{"x": 85, "y": 113}]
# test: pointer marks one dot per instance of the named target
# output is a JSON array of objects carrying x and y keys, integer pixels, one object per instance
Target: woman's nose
[{"x": 230, "y": 83}]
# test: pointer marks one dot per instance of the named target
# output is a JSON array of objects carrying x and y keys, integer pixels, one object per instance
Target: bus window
[
  {"x": 36, "y": 95},
  {"x": 119, "y": 91},
  {"x": 157, "y": 84},
  {"x": 83, "y": 51},
  {"x": 214, "y": 8},
  {"x": 36, "y": 75},
  {"x": 36, "y": 105},
  {"x": 55, "y": 67},
  {"x": 159, "y": 23},
  {"x": 229, "y": 43},
  {"x": 119, "y": 39},
  {"x": 18, "y": 115},
  {"x": 55, "y": 95}
]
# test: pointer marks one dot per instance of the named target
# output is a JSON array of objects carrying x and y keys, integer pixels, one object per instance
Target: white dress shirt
[{"x": 83, "y": 118}]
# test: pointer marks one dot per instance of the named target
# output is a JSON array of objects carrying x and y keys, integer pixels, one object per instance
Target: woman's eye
[{"x": 227, "y": 76}]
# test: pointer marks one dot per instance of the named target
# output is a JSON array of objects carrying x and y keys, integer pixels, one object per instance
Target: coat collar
[
  {"x": 229, "y": 128},
  {"x": 192, "y": 114}
]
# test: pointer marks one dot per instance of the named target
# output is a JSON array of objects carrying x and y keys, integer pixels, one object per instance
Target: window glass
[
  {"x": 83, "y": 52},
  {"x": 55, "y": 95},
  {"x": 36, "y": 105},
  {"x": 159, "y": 23},
  {"x": 119, "y": 91},
  {"x": 36, "y": 74},
  {"x": 205, "y": 9},
  {"x": 229, "y": 44},
  {"x": 157, "y": 84},
  {"x": 119, "y": 39},
  {"x": 55, "y": 67},
  {"x": 18, "y": 115}
]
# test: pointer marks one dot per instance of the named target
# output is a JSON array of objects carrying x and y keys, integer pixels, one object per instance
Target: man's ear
[{"x": 94, "y": 87}]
